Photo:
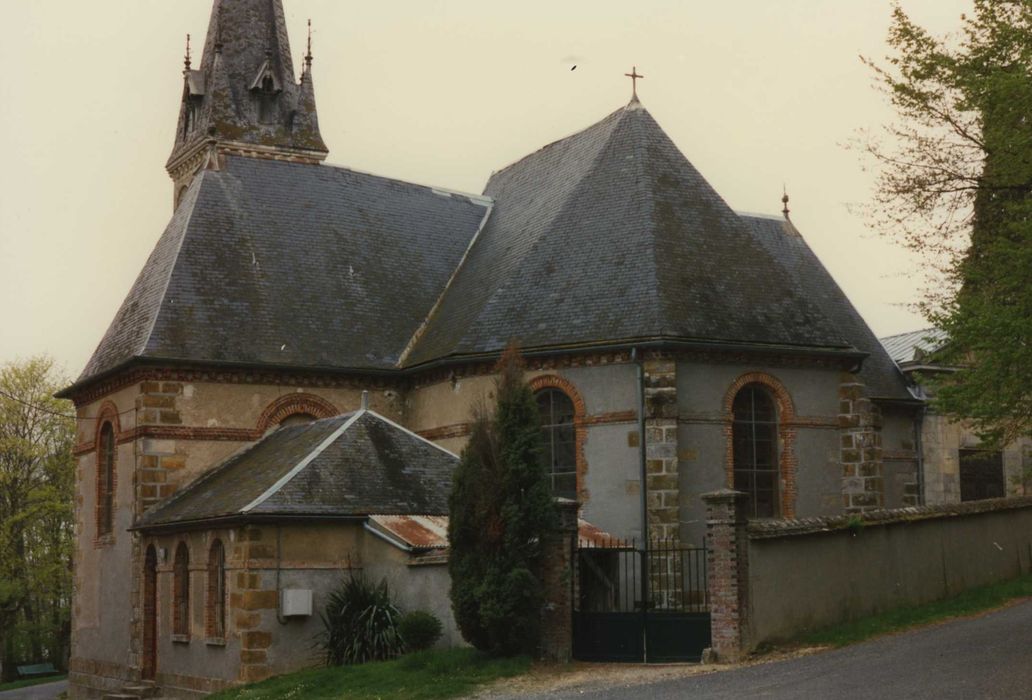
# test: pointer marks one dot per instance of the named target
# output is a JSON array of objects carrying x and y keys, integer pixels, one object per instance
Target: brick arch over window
[
  {"x": 580, "y": 428},
  {"x": 787, "y": 460},
  {"x": 106, "y": 462},
  {"x": 293, "y": 404}
]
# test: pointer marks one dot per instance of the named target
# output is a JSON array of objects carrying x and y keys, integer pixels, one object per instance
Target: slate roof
[
  {"x": 274, "y": 263},
  {"x": 610, "y": 235},
  {"x": 356, "y": 464},
  {"x": 915, "y": 345},
  {"x": 805, "y": 272}
]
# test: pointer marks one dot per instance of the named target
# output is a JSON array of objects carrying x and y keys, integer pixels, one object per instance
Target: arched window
[
  {"x": 755, "y": 450},
  {"x": 560, "y": 449},
  {"x": 181, "y": 593},
  {"x": 106, "y": 480},
  {"x": 216, "y": 604}
]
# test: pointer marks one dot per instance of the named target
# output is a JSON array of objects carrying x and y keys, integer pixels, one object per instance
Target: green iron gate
[{"x": 640, "y": 605}]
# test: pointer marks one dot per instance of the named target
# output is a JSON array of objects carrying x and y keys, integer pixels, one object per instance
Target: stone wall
[
  {"x": 776, "y": 580},
  {"x": 863, "y": 486},
  {"x": 663, "y": 482}
]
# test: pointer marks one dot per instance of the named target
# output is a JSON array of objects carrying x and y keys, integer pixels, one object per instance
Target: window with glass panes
[
  {"x": 755, "y": 450},
  {"x": 106, "y": 481},
  {"x": 181, "y": 592},
  {"x": 560, "y": 449},
  {"x": 216, "y": 604}
]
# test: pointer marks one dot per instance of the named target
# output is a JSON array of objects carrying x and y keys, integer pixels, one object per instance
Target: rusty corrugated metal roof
[
  {"x": 417, "y": 531},
  {"x": 423, "y": 532}
]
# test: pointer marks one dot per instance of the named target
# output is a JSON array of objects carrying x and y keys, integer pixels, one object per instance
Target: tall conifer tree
[{"x": 501, "y": 510}]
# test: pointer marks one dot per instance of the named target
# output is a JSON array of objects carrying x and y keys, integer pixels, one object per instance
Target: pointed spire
[
  {"x": 784, "y": 201},
  {"x": 247, "y": 97},
  {"x": 187, "y": 58}
]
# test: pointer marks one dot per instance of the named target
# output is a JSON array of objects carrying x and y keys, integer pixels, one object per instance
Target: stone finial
[{"x": 784, "y": 201}]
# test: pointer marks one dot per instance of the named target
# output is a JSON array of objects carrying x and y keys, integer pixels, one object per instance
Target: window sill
[
  {"x": 215, "y": 642},
  {"x": 180, "y": 639}
]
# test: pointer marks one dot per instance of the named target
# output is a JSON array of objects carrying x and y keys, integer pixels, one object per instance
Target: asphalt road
[
  {"x": 988, "y": 657},
  {"x": 43, "y": 691}
]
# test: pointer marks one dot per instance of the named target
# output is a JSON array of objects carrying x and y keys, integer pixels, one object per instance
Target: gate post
[
  {"x": 557, "y": 583},
  {"x": 727, "y": 555}
]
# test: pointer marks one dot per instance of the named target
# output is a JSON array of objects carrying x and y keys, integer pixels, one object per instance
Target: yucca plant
[{"x": 360, "y": 623}]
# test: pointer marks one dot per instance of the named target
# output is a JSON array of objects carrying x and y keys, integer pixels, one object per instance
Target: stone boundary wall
[{"x": 796, "y": 576}]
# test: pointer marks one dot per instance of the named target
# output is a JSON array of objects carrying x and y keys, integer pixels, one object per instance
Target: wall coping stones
[{"x": 770, "y": 529}]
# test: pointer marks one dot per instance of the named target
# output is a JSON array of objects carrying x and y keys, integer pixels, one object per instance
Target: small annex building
[
  {"x": 283, "y": 289},
  {"x": 955, "y": 465},
  {"x": 289, "y": 515}
]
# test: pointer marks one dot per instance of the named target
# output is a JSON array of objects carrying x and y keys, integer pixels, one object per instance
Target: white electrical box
[{"x": 296, "y": 602}]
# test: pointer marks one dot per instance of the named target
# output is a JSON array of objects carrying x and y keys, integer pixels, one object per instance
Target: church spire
[{"x": 244, "y": 99}]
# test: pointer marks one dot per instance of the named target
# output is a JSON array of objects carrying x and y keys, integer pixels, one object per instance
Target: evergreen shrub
[{"x": 420, "y": 630}]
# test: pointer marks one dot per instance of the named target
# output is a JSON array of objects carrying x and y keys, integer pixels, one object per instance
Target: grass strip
[
  {"x": 969, "y": 602},
  {"x": 26, "y": 682},
  {"x": 428, "y": 675}
]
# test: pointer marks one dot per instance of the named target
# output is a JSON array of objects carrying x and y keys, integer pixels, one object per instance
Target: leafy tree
[
  {"x": 37, "y": 433},
  {"x": 955, "y": 184},
  {"x": 501, "y": 509}
]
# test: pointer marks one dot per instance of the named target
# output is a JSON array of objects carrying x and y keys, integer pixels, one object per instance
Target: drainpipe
[
  {"x": 919, "y": 445},
  {"x": 642, "y": 469},
  {"x": 644, "y": 490}
]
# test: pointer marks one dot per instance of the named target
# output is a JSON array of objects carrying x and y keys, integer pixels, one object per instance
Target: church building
[{"x": 283, "y": 392}]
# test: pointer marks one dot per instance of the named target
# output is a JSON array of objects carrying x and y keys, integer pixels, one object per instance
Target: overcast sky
[{"x": 755, "y": 93}]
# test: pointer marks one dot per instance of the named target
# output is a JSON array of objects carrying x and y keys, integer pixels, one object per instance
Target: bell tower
[{"x": 244, "y": 99}]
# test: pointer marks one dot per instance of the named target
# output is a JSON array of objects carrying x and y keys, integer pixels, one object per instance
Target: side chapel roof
[{"x": 356, "y": 464}]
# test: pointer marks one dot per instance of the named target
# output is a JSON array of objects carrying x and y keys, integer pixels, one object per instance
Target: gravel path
[
  {"x": 43, "y": 691},
  {"x": 989, "y": 656}
]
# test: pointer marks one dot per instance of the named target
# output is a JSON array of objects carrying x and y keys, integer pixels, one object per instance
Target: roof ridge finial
[
  {"x": 784, "y": 200},
  {"x": 308, "y": 55},
  {"x": 633, "y": 75},
  {"x": 187, "y": 62}
]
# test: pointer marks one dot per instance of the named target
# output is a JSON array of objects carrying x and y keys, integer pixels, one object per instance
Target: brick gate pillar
[
  {"x": 557, "y": 584},
  {"x": 727, "y": 562}
]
